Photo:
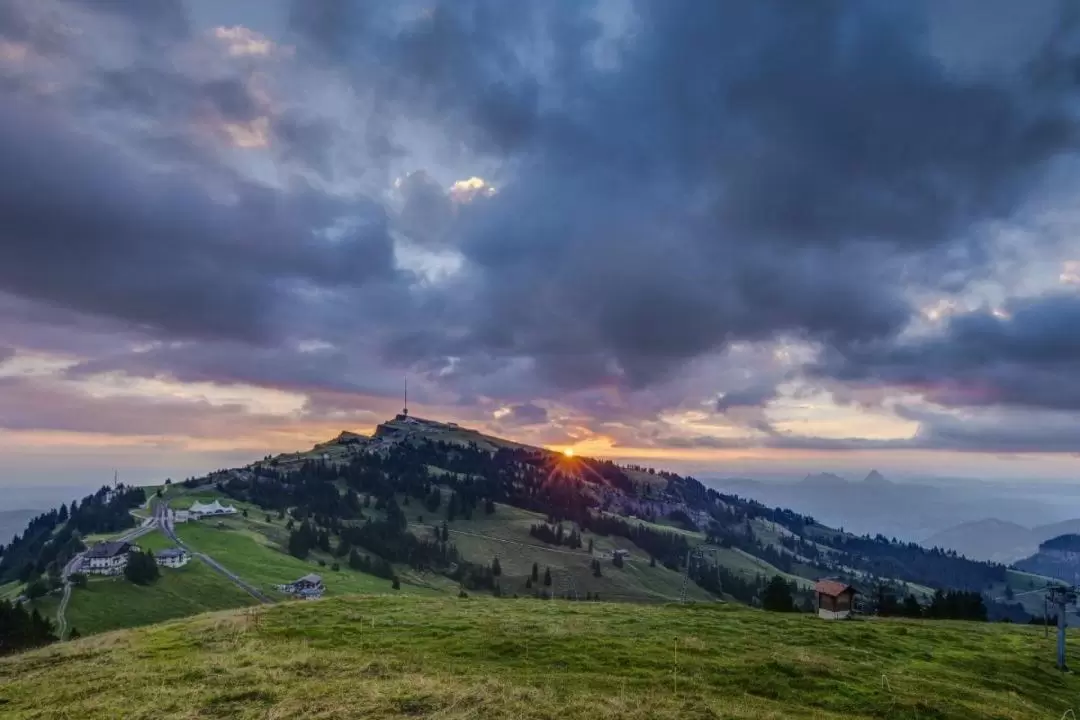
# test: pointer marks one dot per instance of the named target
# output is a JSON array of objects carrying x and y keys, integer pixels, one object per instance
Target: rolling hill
[{"x": 379, "y": 657}]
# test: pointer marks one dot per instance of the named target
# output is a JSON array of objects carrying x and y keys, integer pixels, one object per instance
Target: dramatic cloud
[
  {"x": 1028, "y": 356},
  {"x": 654, "y": 221}
]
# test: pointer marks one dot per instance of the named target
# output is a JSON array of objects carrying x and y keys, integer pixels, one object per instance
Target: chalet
[
  {"x": 107, "y": 558},
  {"x": 199, "y": 509},
  {"x": 835, "y": 599},
  {"x": 179, "y": 516},
  {"x": 308, "y": 587},
  {"x": 172, "y": 557},
  {"x": 620, "y": 553}
]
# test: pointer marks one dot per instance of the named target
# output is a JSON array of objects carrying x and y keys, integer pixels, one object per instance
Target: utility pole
[{"x": 1060, "y": 598}]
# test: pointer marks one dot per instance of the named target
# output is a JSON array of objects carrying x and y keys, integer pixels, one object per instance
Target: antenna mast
[{"x": 405, "y": 409}]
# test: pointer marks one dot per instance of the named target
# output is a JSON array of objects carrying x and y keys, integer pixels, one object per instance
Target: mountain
[
  {"x": 824, "y": 480},
  {"x": 1057, "y": 557},
  {"x": 989, "y": 539},
  {"x": 427, "y": 507},
  {"x": 998, "y": 540},
  {"x": 876, "y": 478},
  {"x": 905, "y": 510}
]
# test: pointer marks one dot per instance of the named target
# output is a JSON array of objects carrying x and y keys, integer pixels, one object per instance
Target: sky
[{"x": 739, "y": 237}]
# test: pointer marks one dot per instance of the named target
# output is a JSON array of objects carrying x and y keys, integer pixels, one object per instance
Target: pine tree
[
  {"x": 911, "y": 607},
  {"x": 298, "y": 543},
  {"x": 141, "y": 568},
  {"x": 535, "y": 572},
  {"x": 547, "y": 577},
  {"x": 777, "y": 596},
  {"x": 396, "y": 585},
  {"x": 496, "y": 568},
  {"x": 590, "y": 546}
]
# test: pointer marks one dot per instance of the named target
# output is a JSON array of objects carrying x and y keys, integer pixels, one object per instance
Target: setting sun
[{"x": 568, "y": 452}]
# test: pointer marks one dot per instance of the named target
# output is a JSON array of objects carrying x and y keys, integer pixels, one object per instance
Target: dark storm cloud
[
  {"x": 164, "y": 19},
  {"x": 754, "y": 396},
  {"x": 730, "y": 172},
  {"x": 427, "y": 210},
  {"x": 1030, "y": 358},
  {"x": 157, "y": 249},
  {"x": 745, "y": 169},
  {"x": 525, "y": 414}
]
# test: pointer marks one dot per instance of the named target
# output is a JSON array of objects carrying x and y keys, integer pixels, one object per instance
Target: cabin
[
  {"x": 308, "y": 587},
  {"x": 172, "y": 557},
  {"x": 835, "y": 599},
  {"x": 107, "y": 558}
]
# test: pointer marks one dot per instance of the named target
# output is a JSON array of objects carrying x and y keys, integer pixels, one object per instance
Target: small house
[
  {"x": 835, "y": 599},
  {"x": 620, "y": 553},
  {"x": 309, "y": 587},
  {"x": 107, "y": 558},
  {"x": 172, "y": 557}
]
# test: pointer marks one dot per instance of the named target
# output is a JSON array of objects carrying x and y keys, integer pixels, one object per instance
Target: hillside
[
  {"x": 429, "y": 508},
  {"x": 1058, "y": 557},
  {"x": 449, "y": 658},
  {"x": 998, "y": 540}
]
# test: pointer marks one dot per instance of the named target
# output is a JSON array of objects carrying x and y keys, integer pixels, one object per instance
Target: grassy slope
[
  {"x": 392, "y": 657},
  {"x": 506, "y": 534},
  {"x": 249, "y": 554},
  {"x": 110, "y": 603}
]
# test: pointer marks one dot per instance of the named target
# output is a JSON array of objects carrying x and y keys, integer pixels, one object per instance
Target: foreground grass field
[{"x": 382, "y": 657}]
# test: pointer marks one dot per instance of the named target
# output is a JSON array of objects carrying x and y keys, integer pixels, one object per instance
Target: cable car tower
[{"x": 1061, "y": 597}]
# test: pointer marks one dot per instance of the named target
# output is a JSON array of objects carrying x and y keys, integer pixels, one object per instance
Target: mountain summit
[{"x": 876, "y": 478}]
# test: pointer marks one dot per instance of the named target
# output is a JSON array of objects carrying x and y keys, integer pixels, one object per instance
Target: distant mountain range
[
  {"x": 919, "y": 512},
  {"x": 999, "y": 540}
]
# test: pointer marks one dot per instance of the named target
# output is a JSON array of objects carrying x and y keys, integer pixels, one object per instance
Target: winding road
[
  {"x": 162, "y": 520},
  {"x": 73, "y": 565},
  {"x": 159, "y": 520}
]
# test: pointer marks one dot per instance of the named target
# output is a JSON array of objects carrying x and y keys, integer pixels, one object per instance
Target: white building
[
  {"x": 172, "y": 557},
  {"x": 179, "y": 516},
  {"x": 198, "y": 509},
  {"x": 107, "y": 558}
]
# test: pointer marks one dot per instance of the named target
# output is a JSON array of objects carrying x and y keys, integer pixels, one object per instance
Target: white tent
[{"x": 214, "y": 508}]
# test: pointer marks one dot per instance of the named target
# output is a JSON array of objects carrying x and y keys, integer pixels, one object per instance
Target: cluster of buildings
[
  {"x": 200, "y": 510},
  {"x": 309, "y": 587},
  {"x": 110, "y": 558}
]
